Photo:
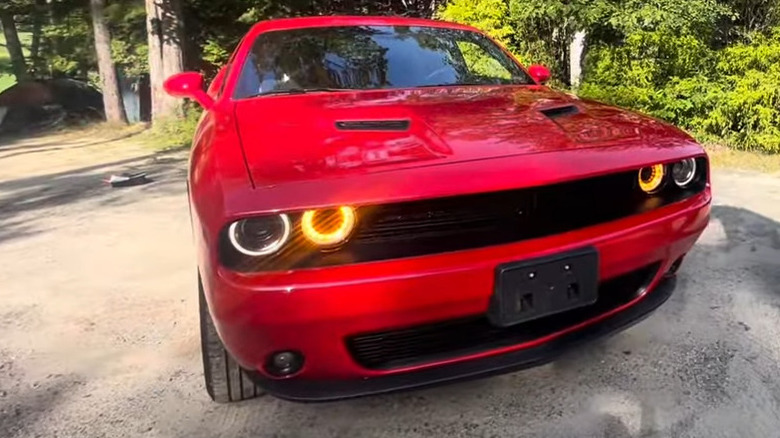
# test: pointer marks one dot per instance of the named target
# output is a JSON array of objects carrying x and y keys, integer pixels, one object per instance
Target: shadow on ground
[
  {"x": 24, "y": 146},
  {"x": 24, "y": 200},
  {"x": 23, "y": 406}
]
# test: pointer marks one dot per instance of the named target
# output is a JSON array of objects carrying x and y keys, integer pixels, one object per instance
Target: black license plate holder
[{"x": 532, "y": 289}]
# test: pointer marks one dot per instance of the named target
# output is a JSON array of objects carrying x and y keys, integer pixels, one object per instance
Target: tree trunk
[
  {"x": 112, "y": 99},
  {"x": 576, "y": 52},
  {"x": 14, "y": 46},
  {"x": 165, "y": 34},
  {"x": 156, "y": 77},
  {"x": 37, "y": 30}
]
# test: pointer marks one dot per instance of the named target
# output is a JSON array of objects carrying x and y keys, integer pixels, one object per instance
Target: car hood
[{"x": 323, "y": 135}]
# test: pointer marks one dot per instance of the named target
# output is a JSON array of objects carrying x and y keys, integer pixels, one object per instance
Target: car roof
[{"x": 349, "y": 20}]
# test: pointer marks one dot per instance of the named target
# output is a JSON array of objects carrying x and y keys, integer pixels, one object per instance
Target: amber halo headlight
[
  {"x": 328, "y": 227},
  {"x": 684, "y": 172},
  {"x": 260, "y": 236},
  {"x": 651, "y": 178}
]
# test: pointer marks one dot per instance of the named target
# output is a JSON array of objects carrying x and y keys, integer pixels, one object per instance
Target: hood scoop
[
  {"x": 373, "y": 125},
  {"x": 560, "y": 111}
]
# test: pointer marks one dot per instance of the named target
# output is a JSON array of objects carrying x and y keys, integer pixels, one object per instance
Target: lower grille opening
[{"x": 453, "y": 338}]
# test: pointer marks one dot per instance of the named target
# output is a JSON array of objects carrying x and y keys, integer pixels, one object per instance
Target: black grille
[
  {"x": 447, "y": 339},
  {"x": 440, "y": 225},
  {"x": 481, "y": 215}
]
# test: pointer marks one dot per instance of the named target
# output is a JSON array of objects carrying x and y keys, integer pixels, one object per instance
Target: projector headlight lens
[
  {"x": 684, "y": 172},
  {"x": 260, "y": 236}
]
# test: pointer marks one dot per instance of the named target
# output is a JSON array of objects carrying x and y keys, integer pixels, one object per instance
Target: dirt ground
[{"x": 98, "y": 326}]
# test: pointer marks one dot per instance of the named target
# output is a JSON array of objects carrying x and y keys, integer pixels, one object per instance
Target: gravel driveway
[{"x": 98, "y": 326}]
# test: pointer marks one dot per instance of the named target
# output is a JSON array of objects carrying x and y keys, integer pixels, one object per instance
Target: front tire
[{"x": 226, "y": 381}]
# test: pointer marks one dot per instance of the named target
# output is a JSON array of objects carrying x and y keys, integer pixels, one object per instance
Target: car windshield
[{"x": 373, "y": 57}]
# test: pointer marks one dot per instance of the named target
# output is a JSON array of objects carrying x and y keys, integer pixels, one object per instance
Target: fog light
[{"x": 284, "y": 363}]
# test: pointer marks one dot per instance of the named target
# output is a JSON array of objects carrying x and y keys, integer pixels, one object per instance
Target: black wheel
[{"x": 226, "y": 381}]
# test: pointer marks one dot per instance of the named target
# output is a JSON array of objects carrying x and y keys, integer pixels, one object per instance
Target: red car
[{"x": 387, "y": 203}]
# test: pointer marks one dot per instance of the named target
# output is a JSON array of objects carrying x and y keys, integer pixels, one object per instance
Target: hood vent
[
  {"x": 373, "y": 125},
  {"x": 561, "y": 111}
]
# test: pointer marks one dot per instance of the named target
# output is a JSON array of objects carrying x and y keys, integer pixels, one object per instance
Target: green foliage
[
  {"x": 536, "y": 31},
  {"x": 490, "y": 16},
  {"x": 691, "y": 17},
  {"x": 214, "y": 52},
  {"x": 127, "y": 21},
  {"x": 694, "y": 63},
  {"x": 7, "y": 78},
  {"x": 733, "y": 93},
  {"x": 174, "y": 133},
  {"x": 69, "y": 45},
  {"x": 68, "y": 39},
  {"x": 652, "y": 72},
  {"x": 748, "y": 110}
]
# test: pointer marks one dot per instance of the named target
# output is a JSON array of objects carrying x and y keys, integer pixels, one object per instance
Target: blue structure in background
[{"x": 136, "y": 97}]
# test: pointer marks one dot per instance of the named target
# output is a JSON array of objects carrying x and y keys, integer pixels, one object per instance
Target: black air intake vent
[
  {"x": 448, "y": 339},
  {"x": 373, "y": 125},
  {"x": 561, "y": 111}
]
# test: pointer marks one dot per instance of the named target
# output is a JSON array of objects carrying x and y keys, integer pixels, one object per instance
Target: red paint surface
[{"x": 283, "y": 153}]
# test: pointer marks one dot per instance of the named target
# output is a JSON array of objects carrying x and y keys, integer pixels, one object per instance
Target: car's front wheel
[{"x": 226, "y": 381}]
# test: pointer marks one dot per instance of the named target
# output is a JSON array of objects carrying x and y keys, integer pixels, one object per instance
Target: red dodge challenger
[{"x": 387, "y": 203}]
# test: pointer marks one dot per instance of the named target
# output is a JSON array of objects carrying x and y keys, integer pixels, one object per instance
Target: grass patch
[
  {"x": 173, "y": 134},
  {"x": 7, "y": 78},
  {"x": 725, "y": 157},
  {"x": 104, "y": 130},
  {"x": 91, "y": 132},
  {"x": 6, "y": 81}
]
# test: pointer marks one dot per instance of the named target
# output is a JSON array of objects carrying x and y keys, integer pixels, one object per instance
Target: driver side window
[{"x": 480, "y": 63}]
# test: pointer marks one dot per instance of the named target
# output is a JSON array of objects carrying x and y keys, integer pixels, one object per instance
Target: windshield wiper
[{"x": 298, "y": 91}]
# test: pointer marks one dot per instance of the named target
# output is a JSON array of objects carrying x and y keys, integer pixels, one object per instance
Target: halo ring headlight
[
  {"x": 260, "y": 236},
  {"x": 684, "y": 172},
  {"x": 651, "y": 178},
  {"x": 328, "y": 227}
]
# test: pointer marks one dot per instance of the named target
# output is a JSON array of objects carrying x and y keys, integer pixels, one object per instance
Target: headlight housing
[
  {"x": 329, "y": 227},
  {"x": 651, "y": 178},
  {"x": 288, "y": 235},
  {"x": 261, "y": 235},
  {"x": 684, "y": 172}
]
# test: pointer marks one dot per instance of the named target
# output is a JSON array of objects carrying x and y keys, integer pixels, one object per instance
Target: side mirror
[
  {"x": 188, "y": 84},
  {"x": 539, "y": 73}
]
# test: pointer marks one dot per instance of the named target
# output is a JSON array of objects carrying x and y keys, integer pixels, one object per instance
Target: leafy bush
[
  {"x": 733, "y": 94},
  {"x": 655, "y": 72},
  {"x": 748, "y": 111},
  {"x": 175, "y": 133},
  {"x": 698, "y": 64}
]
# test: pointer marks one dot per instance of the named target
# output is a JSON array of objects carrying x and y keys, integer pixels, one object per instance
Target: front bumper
[
  {"x": 314, "y": 311},
  {"x": 325, "y": 390}
]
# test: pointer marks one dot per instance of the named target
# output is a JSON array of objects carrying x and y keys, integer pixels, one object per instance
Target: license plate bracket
[{"x": 533, "y": 289}]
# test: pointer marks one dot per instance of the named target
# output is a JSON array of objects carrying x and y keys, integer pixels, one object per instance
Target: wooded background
[{"x": 709, "y": 66}]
